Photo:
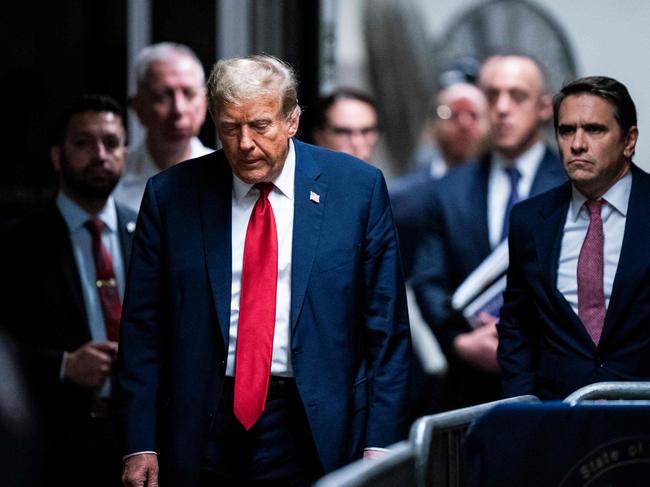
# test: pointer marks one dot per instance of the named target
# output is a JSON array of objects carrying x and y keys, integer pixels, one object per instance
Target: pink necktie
[
  {"x": 591, "y": 296},
  {"x": 256, "y": 312},
  {"x": 105, "y": 280}
]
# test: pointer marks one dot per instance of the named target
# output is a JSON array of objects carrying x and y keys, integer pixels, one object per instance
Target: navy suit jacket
[
  {"x": 350, "y": 345},
  {"x": 454, "y": 243},
  {"x": 544, "y": 348},
  {"x": 408, "y": 196}
]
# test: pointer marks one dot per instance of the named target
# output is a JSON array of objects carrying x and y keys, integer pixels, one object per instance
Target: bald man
[
  {"x": 468, "y": 217},
  {"x": 459, "y": 125}
]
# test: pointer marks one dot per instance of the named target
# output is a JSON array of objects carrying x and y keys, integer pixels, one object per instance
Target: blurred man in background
[
  {"x": 459, "y": 127},
  {"x": 170, "y": 103},
  {"x": 468, "y": 218},
  {"x": 346, "y": 121}
]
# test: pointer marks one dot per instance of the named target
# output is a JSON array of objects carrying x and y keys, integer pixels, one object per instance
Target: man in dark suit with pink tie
[{"x": 576, "y": 305}]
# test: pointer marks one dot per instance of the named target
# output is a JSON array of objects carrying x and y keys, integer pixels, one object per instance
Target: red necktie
[
  {"x": 259, "y": 281},
  {"x": 591, "y": 295},
  {"x": 105, "y": 280}
]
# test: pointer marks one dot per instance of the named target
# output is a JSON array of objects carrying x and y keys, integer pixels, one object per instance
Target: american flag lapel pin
[{"x": 315, "y": 197}]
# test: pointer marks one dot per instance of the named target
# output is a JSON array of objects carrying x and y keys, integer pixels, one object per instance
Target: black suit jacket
[
  {"x": 44, "y": 305},
  {"x": 455, "y": 242},
  {"x": 544, "y": 348}
]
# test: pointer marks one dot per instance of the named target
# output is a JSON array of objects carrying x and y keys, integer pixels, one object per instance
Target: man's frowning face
[
  {"x": 595, "y": 151},
  {"x": 255, "y": 136}
]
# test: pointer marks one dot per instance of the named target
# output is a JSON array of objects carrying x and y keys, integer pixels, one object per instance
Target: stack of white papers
[{"x": 482, "y": 290}]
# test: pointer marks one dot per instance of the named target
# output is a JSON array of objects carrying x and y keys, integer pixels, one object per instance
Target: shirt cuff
[
  {"x": 138, "y": 453},
  {"x": 376, "y": 448}
]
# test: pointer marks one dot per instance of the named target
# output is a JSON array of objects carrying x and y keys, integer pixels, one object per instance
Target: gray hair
[
  {"x": 163, "y": 52},
  {"x": 236, "y": 80}
]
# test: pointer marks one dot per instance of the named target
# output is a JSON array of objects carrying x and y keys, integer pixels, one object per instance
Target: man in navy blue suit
[
  {"x": 466, "y": 212},
  {"x": 336, "y": 382},
  {"x": 576, "y": 307},
  {"x": 459, "y": 126}
]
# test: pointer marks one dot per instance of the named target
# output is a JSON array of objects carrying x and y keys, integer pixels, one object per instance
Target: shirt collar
[
  {"x": 75, "y": 216},
  {"x": 438, "y": 167},
  {"x": 618, "y": 197},
  {"x": 284, "y": 181},
  {"x": 527, "y": 163}
]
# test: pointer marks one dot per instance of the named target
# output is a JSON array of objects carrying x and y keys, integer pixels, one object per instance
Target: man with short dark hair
[
  {"x": 265, "y": 336},
  {"x": 62, "y": 295},
  {"x": 346, "y": 121},
  {"x": 468, "y": 215},
  {"x": 576, "y": 306}
]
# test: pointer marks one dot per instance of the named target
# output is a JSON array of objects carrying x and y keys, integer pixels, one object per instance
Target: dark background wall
[
  {"x": 192, "y": 24},
  {"x": 55, "y": 51}
]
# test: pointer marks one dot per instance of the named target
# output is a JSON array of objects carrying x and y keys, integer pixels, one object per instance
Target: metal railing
[
  {"x": 396, "y": 468},
  {"x": 438, "y": 442},
  {"x": 636, "y": 392}
]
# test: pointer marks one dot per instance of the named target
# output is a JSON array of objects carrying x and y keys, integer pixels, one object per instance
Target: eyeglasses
[
  {"x": 348, "y": 133},
  {"x": 444, "y": 112}
]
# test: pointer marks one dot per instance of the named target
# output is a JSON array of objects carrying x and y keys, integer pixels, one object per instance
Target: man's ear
[
  {"x": 630, "y": 142},
  {"x": 294, "y": 121},
  {"x": 546, "y": 107},
  {"x": 135, "y": 103},
  {"x": 55, "y": 157}
]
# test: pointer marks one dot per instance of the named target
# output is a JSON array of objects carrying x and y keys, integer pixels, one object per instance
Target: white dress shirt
[
  {"x": 140, "y": 167},
  {"x": 614, "y": 215},
  {"x": 244, "y": 197},
  {"x": 81, "y": 241},
  {"x": 499, "y": 186}
]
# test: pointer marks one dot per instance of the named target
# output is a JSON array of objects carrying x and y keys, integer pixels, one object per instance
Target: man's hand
[
  {"x": 141, "y": 470},
  {"x": 479, "y": 346},
  {"x": 373, "y": 453},
  {"x": 90, "y": 364}
]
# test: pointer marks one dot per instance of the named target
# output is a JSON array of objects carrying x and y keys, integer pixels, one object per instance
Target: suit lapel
[
  {"x": 478, "y": 198},
  {"x": 126, "y": 227},
  {"x": 548, "y": 241},
  {"x": 307, "y": 218},
  {"x": 549, "y": 174},
  {"x": 62, "y": 252},
  {"x": 633, "y": 260},
  {"x": 215, "y": 196}
]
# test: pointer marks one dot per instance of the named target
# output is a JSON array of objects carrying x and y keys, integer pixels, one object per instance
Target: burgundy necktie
[
  {"x": 256, "y": 324},
  {"x": 105, "y": 280},
  {"x": 591, "y": 295}
]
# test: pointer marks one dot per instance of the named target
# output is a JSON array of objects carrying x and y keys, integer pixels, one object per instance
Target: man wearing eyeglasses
[{"x": 346, "y": 121}]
